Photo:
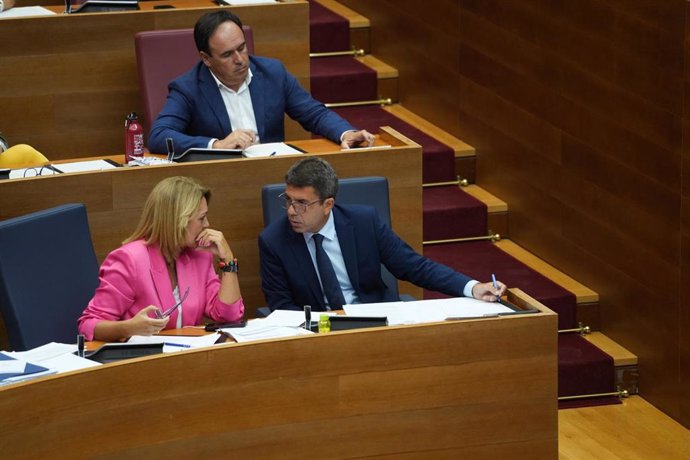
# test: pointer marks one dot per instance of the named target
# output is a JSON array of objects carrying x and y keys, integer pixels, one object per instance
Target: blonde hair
[{"x": 168, "y": 208}]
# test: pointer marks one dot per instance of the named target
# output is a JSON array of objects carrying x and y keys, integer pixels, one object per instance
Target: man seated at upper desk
[
  {"x": 231, "y": 100},
  {"x": 327, "y": 255}
]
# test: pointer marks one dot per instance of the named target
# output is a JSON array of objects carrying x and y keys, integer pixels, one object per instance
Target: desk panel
[
  {"x": 67, "y": 81},
  {"x": 467, "y": 389},
  {"x": 114, "y": 198}
]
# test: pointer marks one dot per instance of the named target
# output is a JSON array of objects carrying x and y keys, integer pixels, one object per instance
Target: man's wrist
[
  {"x": 342, "y": 136},
  {"x": 468, "y": 288}
]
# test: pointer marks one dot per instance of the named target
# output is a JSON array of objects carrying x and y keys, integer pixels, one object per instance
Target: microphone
[
  {"x": 170, "y": 145},
  {"x": 307, "y": 317}
]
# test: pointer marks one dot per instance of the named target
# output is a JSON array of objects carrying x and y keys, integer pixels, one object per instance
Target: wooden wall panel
[{"x": 578, "y": 111}]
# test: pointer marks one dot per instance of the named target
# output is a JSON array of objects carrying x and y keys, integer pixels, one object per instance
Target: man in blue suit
[
  {"x": 230, "y": 100},
  {"x": 356, "y": 242}
]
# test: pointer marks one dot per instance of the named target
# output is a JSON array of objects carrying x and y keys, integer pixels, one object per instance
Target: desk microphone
[
  {"x": 170, "y": 146},
  {"x": 307, "y": 317},
  {"x": 80, "y": 341},
  {"x": 68, "y": 6}
]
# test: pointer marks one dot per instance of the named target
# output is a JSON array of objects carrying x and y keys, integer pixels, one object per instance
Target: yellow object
[
  {"x": 21, "y": 155},
  {"x": 324, "y": 324}
]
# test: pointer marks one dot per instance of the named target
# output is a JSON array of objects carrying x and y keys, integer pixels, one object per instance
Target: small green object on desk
[{"x": 324, "y": 324}]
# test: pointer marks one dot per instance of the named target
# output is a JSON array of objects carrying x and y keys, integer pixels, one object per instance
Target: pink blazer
[{"x": 135, "y": 276}]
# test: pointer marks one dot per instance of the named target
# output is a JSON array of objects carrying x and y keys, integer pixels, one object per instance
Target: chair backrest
[
  {"x": 163, "y": 55},
  {"x": 48, "y": 274},
  {"x": 371, "y": 191}
]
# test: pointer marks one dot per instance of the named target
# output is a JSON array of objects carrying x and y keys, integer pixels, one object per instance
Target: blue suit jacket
[
  {"x": 288, "y": 276},
  {"x": 194, "y": 112}
]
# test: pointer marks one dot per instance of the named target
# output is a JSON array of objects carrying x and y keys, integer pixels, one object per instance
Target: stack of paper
[
  {"x": 428, "y": 311},
  {"x": 173, "y": 343},
  {"x": 270, "y": 149},
  {"x": 14, "y": 370}
]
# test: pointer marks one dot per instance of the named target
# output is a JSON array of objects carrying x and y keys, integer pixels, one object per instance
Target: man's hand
[
  {"x": 361, "y": 138},
  {"x": 238, "y": 139},
  {"x": 487, "y": 291}
]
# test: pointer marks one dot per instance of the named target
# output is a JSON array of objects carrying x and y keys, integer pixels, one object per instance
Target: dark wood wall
[{"x": 578, "y": 111}]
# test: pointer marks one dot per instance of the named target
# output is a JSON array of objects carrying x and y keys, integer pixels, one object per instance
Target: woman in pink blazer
[{"x": 168, "y": 259}]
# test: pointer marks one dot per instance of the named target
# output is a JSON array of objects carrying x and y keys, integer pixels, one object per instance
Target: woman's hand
[
  {"x": 214, "y": 241},
  {"x": 143, "y": 324}
]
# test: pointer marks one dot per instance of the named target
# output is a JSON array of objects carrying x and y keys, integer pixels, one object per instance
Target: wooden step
[
  {"x": 625, "y": 362},
  {"x": 587, "y": 299},
  {"x": 583, "y": 294},
  {"x": 387, "y": 76},
  {"x": 464, "y": 153},
  {"x": 360, "y": 35},
  {"x": 497, "y": 209}
]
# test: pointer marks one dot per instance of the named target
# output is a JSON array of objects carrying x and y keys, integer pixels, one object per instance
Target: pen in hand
[{"x": 493, "y": 279}]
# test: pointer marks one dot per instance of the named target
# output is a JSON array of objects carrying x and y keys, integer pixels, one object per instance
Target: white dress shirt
[{"x": 239, "y": 106}]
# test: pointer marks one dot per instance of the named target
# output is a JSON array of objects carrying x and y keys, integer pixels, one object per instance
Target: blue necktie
[{"x": 331, "y": 287}]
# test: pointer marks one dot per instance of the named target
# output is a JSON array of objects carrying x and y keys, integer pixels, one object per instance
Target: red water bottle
[{"x": 134, "y": 137}]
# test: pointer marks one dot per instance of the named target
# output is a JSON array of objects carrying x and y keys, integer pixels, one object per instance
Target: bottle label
[{"x": 138, "y": 145}]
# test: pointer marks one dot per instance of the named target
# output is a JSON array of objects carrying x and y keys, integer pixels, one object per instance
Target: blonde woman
[{"x": 163, "y": 276}]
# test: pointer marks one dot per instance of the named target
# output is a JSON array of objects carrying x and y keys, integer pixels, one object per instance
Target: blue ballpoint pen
[
  {"x": 181, "y": 345},
  {"x": 493, "y": 278}
]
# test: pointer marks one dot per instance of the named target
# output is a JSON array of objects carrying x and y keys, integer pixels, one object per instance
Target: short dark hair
[
  {"x": 207, "y": 25},
  {"x": 314, "y": 172}
]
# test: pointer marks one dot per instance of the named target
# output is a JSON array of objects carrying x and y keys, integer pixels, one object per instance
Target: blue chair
[
  {"x": 372, "y": 191},
  {"x": 48, "y": 274}
]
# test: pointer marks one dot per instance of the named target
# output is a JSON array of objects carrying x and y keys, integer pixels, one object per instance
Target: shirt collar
[
  {"x": 328, "y": 230},
  {"x": 243, "y": 86}
]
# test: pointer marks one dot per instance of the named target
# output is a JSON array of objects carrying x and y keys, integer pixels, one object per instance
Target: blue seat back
[
  {"x": 48, "y": 274},
  {"x": 371, "y": 191}
]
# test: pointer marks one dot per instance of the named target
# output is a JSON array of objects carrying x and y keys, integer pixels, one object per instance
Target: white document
[
  {"x": 270, "y": 149},
  {"x": 32, "y": 172},
  {"x": 427, "y": 311},
  {"x": 292, "y": 318},
  {"x": 58, "y": 357},
  {"x": 68, "y": 362},
  {"x": 173, "y": 343},
  {"x": 258, "y": 329},
  {"x": 82, "y": 166},
  {"x": 25, "y": 11}
]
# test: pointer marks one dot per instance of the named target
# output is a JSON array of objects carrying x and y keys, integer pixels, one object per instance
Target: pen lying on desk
[{"x": 181, "y": 345}]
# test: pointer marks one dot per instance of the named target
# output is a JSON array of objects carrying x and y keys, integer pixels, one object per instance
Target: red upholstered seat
[{"x": 163, "y": 55}]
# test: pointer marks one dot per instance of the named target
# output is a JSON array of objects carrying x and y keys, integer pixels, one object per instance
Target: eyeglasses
[
  {"x": 300, "y": 207},
  {"x": 168, "y": 312},
  {"x": 42, "y": 171}
]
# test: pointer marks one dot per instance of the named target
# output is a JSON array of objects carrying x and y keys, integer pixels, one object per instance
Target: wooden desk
[
  {"x": 467, "y": 389},
  {"x": 114, "y": 198},
  {"x": 67, "y": 81}
]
